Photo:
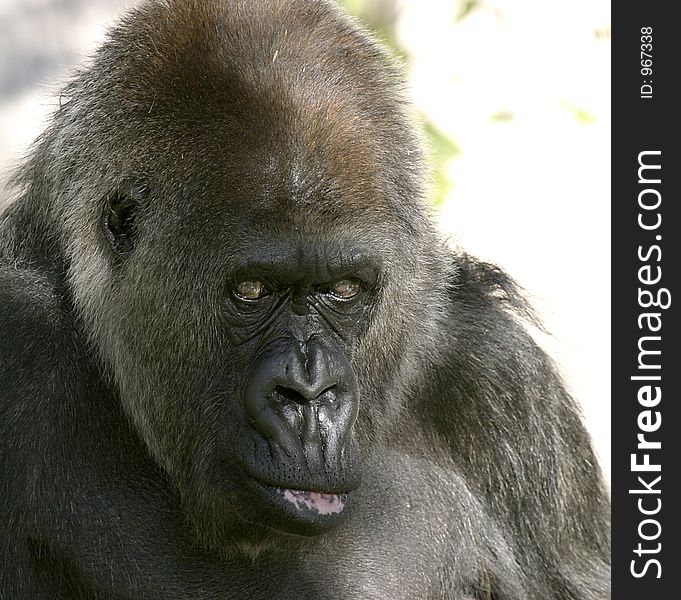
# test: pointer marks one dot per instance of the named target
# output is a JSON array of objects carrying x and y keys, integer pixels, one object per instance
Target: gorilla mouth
[
  {"x": 297, "y": 511},
  {"x": 323, "y": 504}
]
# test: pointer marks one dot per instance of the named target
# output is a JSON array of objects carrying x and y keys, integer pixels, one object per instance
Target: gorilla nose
[
  {"x": 303, "y": 395},
  {"x": 309, "y": 373}
]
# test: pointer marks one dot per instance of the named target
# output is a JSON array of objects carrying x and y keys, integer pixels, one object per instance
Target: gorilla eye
[
  {"x": 250, "y": 289},
  {"x": 345, "y": 289}
]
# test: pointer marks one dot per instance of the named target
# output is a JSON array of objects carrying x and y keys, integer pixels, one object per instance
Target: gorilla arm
[{"x": 508, "y": 422}]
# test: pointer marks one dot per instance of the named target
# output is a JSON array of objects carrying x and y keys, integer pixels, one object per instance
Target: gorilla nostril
[
  {"x": 289, "y": 394},
  {"x": 303, "y": 396}
]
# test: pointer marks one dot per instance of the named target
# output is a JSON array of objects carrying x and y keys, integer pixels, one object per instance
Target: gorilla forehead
[
  {"x": 226, "y": 94},
  {"x": 234, "y": 53}
]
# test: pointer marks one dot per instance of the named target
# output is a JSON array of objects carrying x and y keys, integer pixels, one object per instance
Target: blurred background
[{"x": 515, "y": 98}]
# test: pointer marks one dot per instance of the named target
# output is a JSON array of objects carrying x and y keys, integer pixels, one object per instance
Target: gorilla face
[
  {"x": 258, "y": 276},
  {"x": 296, "y": 312}
]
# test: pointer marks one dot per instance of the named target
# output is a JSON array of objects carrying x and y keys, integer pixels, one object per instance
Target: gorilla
[{"x": 238, "y": 362}]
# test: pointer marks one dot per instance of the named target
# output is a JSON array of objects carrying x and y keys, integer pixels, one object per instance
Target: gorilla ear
[{"x": 120, "y": 214}]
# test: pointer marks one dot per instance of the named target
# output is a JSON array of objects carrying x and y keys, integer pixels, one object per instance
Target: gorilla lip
[
  {"x": 306, "y": 508},
  {"x": 324, "y": 504}
]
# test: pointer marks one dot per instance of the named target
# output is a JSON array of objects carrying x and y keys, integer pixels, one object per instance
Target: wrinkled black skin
[{"x": 142, "y": 403}]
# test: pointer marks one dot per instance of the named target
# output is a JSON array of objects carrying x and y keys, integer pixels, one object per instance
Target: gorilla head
[{"x": 241, "y": 213}]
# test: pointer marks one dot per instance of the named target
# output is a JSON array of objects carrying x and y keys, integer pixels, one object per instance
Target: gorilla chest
[{"x": 392, "y": 545}]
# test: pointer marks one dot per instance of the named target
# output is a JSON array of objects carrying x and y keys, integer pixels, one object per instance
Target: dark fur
[{"x": 262, "y": 120}]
